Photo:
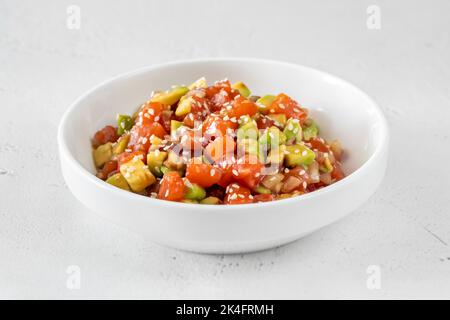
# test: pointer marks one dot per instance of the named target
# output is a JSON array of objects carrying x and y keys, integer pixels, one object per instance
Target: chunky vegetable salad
[{"x": 217, "y": 144}]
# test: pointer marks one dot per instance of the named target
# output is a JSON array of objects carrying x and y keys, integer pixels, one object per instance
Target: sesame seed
[
  {"x": 241, "y": 196},
  {"x": 233, "y": 196},
  {"x": 304, "y": 153},
  {"x": 167, "y": 193},
  {"x": 234, "y": 171},
  {"x": 305, "y": 184},
  {"x": 212, "y": 172}
]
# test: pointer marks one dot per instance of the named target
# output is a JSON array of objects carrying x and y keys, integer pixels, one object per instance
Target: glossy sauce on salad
[{"x": 217, "y": 144}]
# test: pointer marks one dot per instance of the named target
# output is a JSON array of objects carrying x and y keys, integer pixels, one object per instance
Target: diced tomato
[
  {"x": 172, "y": 187},
  {"x": 337, "y": 172},
  {"x": 285, "y": 104},
  {"x": 316, "y": 143},
  {"x": 140, "y": 135},
  {"x": 105, "y": 135},
  {"x": 262, "y": 198},
  {"x": 237, "y": 194},
  {"x": 150, "y": 113},
  {"x": 247, "y": 170},
  {"x": 203, "y": 174},
  {"x": 242, "y": 107},
  {"x": 220, "y": 149}
]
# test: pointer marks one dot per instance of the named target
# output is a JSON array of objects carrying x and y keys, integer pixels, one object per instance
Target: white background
[{"x": 404, "y": 228}]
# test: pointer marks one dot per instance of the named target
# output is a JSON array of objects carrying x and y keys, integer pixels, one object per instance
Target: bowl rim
[{"x": 64, "y": 150}]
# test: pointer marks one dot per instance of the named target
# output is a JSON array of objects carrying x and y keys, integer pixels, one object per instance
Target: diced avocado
[
  {"x": 137, "y": 174},
  {"x": 189, "y": 201},
  {"x": 276, "y": 156},
  {"x": 155, "y": 161},
  {"x": 243, "y": 89},
  {"x": 279, "y": 118},
  {"x": 248, "y": 130},
  {"x": 194, "y": 191},
  {"x": 119, "y": 181},
  {"x": 184, "y": 106},
  {"x": 174, "y": 125},
  {"x": 262, "y": 190},
  {"x": 174, "y": 161},
  {"x": 210, "y": 200},
  {"x": 265, "y": 101},
  {"x": 171, "y": 96},
  {"x": 200, "y": 83},
  {"x": 121, "y": 144},
  {"x": 249, "y": 146},
  {"x": 164, "y": 169},
  {"x": 272, "y": 136},
  {"x": 103, "y": 154},
  {"x": 244, "y": 120},
  {"x": 124, "y": 123},
  {"x": 155, "y": 142},
  {"x": 326, "y": 166},
  {"x": 310, "y": 131},
  {"x": 297, "y": 155},
  {"x": 293, "y": 130}
]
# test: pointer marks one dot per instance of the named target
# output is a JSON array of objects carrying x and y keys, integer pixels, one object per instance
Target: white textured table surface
[{"x": 404, "y": 229}]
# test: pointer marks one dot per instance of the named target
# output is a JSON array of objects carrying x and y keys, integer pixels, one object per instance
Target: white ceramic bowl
[{"x": 342, "y": 111}]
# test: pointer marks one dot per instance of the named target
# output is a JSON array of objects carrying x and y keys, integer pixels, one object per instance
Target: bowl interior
[{"x": 342, "y": 111}]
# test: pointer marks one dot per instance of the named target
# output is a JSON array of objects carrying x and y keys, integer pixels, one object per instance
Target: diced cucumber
[
  {"x": 124, "y": 123},
  {"x": 210, "y": 200},
  {"x": 293, "y": 130},
  {"x": 155, "y": 161},
  {"x": 121, "y": 144},
  {"x": 310, "y": 131},
  {"x": 297, "y": 155},
  {"x": 194, "y": 191},
  {"x": 171, "y": 96},
  {"x": 137, "y": 174},
  {"x": 119, "y": 181},
  {"x": 165, "y": 170},
  {"x": 242, "y": 88},
  {"x": 103, "y": 154}
]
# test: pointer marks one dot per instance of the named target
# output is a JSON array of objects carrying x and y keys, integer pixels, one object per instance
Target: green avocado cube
[
  {"x": 242, "y": 88},
  {"x": 298, "y": 155},
  {"x": 265, "y": 101},
  {"x": 194, "y": 191},
  {"x": 293, "y": 130},
  {"x": 210, "y": 200},
  {"x": 248, "y": 130},
  {"x": 103, "y": 154},
  {"x": 119, "y": 181},
  {"x": 155, "y": 161},
  {"x": 171, "y": 96},
  {"x": 124, "y": 123},
  {"x": 310, "y": 131}
]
